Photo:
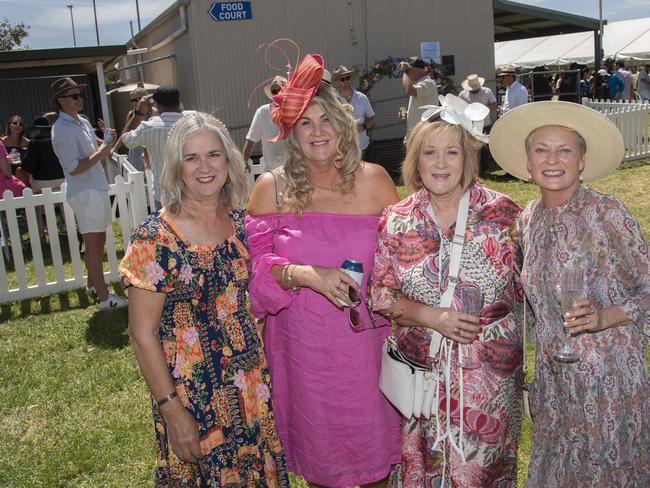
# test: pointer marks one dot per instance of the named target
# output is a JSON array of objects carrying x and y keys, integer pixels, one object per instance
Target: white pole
[
  {"x": 103, "y": 98},
  {"x": 74, "y": 37}
]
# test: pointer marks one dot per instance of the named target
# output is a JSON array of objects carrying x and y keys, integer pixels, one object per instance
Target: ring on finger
[{"x": 456, "y": 331}]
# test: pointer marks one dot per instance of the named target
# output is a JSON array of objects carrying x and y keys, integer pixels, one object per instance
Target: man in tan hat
[
  {"x": 362, "y": 111},
  {"x": 80, "y": 154},
  {"x": 516, "y": 93},
  {"x": 475, "y": 92},
  {"x": 420, "y": 88},
  {"x": 263, "y": 129}
]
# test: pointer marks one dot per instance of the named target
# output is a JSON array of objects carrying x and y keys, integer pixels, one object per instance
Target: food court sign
[{"x": 230, "y": 11}]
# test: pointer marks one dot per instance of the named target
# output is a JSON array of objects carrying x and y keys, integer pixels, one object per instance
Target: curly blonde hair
[
  {"x": 468, "y": 143},
  {"x": 233, "y": 191},
  {"x": 299, "y": 188}
]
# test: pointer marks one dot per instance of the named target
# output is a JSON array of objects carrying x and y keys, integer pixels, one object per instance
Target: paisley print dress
[
  {"x": 412, "y": 259},
  {"x": 214, "y": 354},
  {"x": 591, "y": 417}
]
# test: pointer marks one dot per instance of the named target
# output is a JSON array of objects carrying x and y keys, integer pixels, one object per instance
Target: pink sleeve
[
  {"x": 266, "y": 295},
  {"x": 3, "y": 151}
]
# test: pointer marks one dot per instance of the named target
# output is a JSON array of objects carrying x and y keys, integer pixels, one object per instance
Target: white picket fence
[
  {"x": 129, "y": 209},
  {"x": 133, "y": 194},
  {"x": 631, "y": 118}
]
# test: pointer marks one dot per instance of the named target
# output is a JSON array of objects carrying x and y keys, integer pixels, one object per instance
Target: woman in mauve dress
[
  {"x": 591, "y": 416},
  {"x": 305, "y": 219}
]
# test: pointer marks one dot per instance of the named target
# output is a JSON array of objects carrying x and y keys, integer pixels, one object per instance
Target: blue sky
[{"x": 50, "y": 19}]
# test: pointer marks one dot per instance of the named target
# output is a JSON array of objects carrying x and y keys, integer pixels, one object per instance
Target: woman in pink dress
[{"x": 304, "y": 220}]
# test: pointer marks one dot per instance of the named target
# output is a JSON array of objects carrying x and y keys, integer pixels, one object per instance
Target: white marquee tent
[{"x": 627, "y": 40}]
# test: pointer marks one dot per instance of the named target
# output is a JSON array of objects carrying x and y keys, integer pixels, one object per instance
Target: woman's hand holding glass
[
  {"x": 585, "y": 317},
  {"x": 332, "y": 283},
  {"x": 457, "y": 326}
]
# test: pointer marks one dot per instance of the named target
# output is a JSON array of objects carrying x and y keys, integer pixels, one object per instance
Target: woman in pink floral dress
[
  {"x": 409, "y": 277},
  {"x": 591, "y": 417}
]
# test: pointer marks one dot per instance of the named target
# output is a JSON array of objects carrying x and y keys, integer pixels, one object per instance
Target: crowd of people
[{"x": 263, "y": 353}]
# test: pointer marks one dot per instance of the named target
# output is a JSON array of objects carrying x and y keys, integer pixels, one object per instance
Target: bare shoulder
[
  {"x": 376, "y": 185},
  {"x": 263, "y": 197}
]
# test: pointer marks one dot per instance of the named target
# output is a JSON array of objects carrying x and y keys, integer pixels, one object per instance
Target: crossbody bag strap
[{"x": 454, "y": 265}]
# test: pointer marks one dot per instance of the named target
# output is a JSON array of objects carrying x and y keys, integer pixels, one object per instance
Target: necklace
[{"x": 332, "y": 188}]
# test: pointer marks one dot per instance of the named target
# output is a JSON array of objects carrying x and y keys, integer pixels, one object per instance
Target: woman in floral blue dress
[{"x": 193, "y": 334}]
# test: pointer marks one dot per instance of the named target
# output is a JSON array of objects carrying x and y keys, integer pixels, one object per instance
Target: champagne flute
[
  {"x": 472, "y": 305},
  {"x": 571, "y": 289}
]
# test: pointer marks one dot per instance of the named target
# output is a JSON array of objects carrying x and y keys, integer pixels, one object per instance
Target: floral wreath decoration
[{"x": 470, "y": 116}]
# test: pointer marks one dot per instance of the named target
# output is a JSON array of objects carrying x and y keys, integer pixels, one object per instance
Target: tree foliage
[{"x": 11, "y": 36}]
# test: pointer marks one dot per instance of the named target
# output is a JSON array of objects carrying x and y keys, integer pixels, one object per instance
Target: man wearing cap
[
  {"x": 76, "y": 145},
  {"x": 362, "y": 111},
  {"x": 420, "y": 88},
  {"x": 263, "y": 129},
  {"x": 152, "y": 133},
  {"x": 516, "y": 93}
]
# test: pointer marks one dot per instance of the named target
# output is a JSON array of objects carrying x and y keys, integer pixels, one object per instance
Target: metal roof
[
  {"x": 34, "y": 63},
  {"x": 517, "y": 21}
]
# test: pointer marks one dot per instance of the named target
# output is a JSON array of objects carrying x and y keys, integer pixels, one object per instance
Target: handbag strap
[{"x": 454, "y": 264}]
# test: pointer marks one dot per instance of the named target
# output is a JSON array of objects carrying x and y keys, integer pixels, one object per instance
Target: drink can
[
  {"x": 353, "y": 269},
  {"x": 108, "y": 136}
]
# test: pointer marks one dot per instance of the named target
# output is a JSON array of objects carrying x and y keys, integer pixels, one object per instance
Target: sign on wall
[
  {"x": 430, "y": 51},
  {"x": 223, "y": 11}
]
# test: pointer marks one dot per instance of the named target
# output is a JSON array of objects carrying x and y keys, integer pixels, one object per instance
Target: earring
[{"x": 581, "y": 178}]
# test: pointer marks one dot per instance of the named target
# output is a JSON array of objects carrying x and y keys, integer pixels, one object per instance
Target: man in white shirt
[
  {"x": 362, "y": 111},
  {"x": 643, "y": 83},
  {"x": 76, "y": 145},
  {"x": 152, "y": 133},
  {"x": 516, "y": 93},
  {"x": 420, "y": 88},
  {"x": 262, "y": 129},
  {"x": 627, "y": 79}
]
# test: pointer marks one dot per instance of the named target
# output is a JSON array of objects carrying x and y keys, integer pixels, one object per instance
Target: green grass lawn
[{"x": 74, "y": 410}]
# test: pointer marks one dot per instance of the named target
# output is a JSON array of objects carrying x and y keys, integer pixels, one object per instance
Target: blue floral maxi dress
[
  {"x": 213, "y": 352},
  {"x": 591, "y": 417}
]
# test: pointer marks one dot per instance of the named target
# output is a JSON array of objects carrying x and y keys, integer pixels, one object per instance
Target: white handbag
[{"x": 409, "y": 386}]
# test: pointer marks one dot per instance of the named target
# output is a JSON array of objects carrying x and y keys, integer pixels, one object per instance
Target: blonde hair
[
  {"x": 233, "y": 191},
  {"x": 299, "y": 188},
  {"x": 470, "y": 146}
]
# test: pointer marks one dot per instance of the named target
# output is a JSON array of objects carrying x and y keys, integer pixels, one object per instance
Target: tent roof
[
  {"x": 627, "y": 39},
  {"x": 517, "y": 21}
]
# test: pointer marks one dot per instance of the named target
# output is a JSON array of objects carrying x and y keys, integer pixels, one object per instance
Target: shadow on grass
[
  {"x": 58, "y": 302},
  {"x": 108, "y": 329}
]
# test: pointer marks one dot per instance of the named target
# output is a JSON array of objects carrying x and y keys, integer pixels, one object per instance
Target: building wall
[{"x": 224, "y": 59}]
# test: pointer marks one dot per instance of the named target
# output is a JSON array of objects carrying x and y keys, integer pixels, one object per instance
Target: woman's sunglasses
[
  {"x": 354, "y": 314},
  {"x": 74, "y": 96},
  {"x": 16, "y": 123},
  {"x": 134, "y": 100},
  {"x": 345, "y": 78}
]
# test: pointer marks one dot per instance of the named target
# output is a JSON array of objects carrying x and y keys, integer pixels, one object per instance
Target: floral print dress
[
  {"x": 591, "y": 417},
  {"x": 412, "y": 255},
  {"x": 214, "y": 354}
]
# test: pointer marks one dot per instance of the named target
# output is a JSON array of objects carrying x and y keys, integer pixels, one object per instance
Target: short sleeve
[
  {"x": 425, "y": 87},
  {"x": 385, "y": 287},
  {"x": 151, "y": 261},
  {"x": 255, "y": 132},
  {"x": 368, "y": 112},
  {"x": 490, "y": 96}
]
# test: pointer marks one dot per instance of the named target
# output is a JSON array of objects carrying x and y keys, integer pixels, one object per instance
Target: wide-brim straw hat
[
  {"x": 605, "y": 147},
  {"x": 277, "y": 80},
  {"x": 297, "y": 94},
  {"x": 62, "y": 85},
  {"x": 472, "y": 82}
]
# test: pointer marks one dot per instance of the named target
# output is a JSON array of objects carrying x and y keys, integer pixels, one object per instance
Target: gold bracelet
[
  {"x": 293, "y": 287},
  {"x": 167, "y": 398}
]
